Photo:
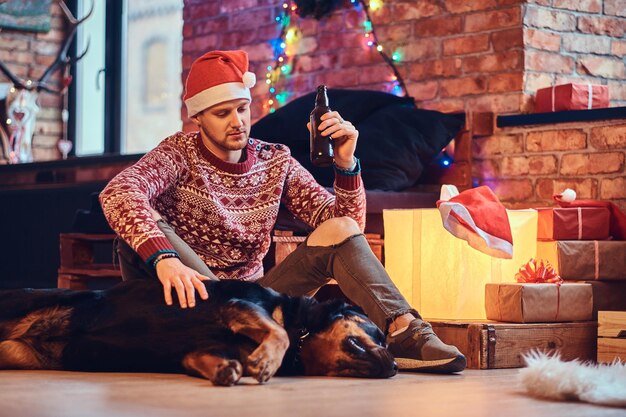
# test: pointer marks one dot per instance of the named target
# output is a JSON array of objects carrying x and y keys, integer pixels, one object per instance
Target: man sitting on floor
[{"x": 202, "y": 205}]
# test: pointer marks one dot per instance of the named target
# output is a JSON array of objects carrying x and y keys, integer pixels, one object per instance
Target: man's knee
[{"x": 334, "y": 231}]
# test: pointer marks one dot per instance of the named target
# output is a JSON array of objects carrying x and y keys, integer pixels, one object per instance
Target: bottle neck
[{"x": 321, "y": 99}]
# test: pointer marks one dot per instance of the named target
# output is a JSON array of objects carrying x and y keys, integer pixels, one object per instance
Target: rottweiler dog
[{"x": 242, "y": 329}]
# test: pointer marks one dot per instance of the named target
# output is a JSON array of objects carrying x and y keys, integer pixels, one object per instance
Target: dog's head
[{"x": 342, "y": 341}]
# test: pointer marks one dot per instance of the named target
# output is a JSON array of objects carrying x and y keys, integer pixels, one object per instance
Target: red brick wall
[
  {"x": 526, "y": 165},
  {"x": 456, "y": 54},
  {"x": 28, "y": 54},
  {"x": 576, "y": 41}
]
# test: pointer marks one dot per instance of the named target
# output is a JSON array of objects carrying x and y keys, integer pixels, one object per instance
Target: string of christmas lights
[
  {"x": 286, "y": 44},
  {"x": 282, "y": 45},
  {"x": 399, "y": 87}
]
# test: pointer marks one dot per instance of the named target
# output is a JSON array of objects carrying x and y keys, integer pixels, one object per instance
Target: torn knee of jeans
[{"x": 335, "y": 245}]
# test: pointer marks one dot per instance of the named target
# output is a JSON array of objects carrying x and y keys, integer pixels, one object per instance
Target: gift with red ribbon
[
  {"x": 573, "y": 96},
  {"x": 539, "y": 296},
  {"x": 573, "y": 223},
  {"x": 586, "y": 260}
]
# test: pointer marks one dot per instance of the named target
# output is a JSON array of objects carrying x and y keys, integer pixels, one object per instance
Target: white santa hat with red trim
[
  {"x": 477, "y": 216},
  {"x": 215, "y": 77}
]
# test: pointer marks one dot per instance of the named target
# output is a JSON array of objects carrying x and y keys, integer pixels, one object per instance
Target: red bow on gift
[{"x": 538, "y": 272}]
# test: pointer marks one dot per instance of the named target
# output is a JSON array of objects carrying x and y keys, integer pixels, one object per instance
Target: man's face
[{"x": 225, "y": 127}]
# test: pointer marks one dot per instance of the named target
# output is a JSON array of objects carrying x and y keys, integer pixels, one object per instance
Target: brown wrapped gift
[
  {"x": 573, "y": 96},
  {"x": 538, "y": 303},
  {"x": 581, "y": 260},
  {"x": 608, "y": 296},
  {"x": 575, "y": 223}
]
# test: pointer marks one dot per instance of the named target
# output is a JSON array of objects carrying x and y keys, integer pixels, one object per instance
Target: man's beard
[{"x": 225, "y": 143}]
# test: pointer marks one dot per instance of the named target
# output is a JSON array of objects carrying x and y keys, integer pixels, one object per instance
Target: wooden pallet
[
  {"x": 77, "y": 260},
  {"x": 491, "y": 345}
]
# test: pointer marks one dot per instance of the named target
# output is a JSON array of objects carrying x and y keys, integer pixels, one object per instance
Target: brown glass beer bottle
[{"x": 321, "y": 146}]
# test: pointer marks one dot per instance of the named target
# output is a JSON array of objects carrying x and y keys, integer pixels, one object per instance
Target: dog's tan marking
[
  {"x": 278, "y": 317},
  {"x": 17, "y": 355},
  {"x": 245, "y": 318},
  {"x": 37, "y": 340},
  {"x": 324, "y": 354},
  {"x": 218, "y": 370},
  {"x": 45, "y": 322}
]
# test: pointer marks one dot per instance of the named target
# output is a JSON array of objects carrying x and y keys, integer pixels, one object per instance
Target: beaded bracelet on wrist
[{"x": 162, "y": 256}]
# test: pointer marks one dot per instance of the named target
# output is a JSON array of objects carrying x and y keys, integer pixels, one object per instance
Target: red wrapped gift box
[
  {"x": 575, "y": 223},
  {"x": 571, "y": 97}
]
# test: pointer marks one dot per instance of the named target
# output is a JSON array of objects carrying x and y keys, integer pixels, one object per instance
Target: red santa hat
[
  {"x": 477, "y": 216},
  {"x": 215, "y": 77}
]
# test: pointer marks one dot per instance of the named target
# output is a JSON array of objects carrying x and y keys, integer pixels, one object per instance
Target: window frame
[{"x": 113, "y": 79}]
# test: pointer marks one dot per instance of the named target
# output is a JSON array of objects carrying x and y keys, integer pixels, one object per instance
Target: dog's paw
[
  {"x": 228, "y": 374},
  {"x": 262, "y": 366}
]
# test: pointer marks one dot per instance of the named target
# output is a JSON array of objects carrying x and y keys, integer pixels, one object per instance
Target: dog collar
[{"x": 303, "y": 333}]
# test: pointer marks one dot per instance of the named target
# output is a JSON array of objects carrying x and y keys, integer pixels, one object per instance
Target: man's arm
[
  {"x": 126, "y": 199},
  {"x": 313, "y": 204},
  {"x": 126, "y": 205}
]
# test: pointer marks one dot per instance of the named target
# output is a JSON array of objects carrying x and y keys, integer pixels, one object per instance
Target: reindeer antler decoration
[{"x": 21, "y": 102}]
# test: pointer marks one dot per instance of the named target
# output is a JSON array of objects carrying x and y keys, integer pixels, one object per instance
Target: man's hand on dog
[{"x": 174, "y": 274}]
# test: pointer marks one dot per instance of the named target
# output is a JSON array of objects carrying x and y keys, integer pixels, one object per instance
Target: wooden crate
[
  {"x": 611, "y": 336},
  {"x": 491, "y": 345},
  {"x": 77, "y": 266}
]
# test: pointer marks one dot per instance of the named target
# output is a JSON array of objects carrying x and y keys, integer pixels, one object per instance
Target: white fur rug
[{"x": 548, "y": 376}]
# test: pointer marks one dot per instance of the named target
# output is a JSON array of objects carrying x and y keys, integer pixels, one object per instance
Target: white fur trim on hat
[
  {"x": 568, "y": 195},
  {"x": 249, "y": 79},
  {"x": 215, "y": 95}
]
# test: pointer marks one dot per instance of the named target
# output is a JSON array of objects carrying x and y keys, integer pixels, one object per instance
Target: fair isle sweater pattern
[{"x": 225, "y": 212}]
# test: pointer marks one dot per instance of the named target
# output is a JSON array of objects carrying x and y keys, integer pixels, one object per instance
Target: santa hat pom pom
[
  {"x": 249, "y": 79},
  {"x": 568, "y": 195}
]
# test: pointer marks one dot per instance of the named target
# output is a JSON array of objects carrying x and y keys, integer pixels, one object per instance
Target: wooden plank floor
[{"x": 473, "y": 393}]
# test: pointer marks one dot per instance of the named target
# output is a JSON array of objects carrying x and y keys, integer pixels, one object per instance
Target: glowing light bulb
[
  {"x": 270, "y": 102},
  {"x": 395, "y": 56},
  {"x": 269, "y": 67},
  {"x": 375, "y": 4},
  {"x": 272, "y": 90},
  {"x": 268, "y": 81},
  {"x": 285, "y": 5},
  {"x": 379, "y": 48},
  {"x": 370, "y": 43},
  {"x": 281, "y": 59},
  {"x": 290, "y": 36}
]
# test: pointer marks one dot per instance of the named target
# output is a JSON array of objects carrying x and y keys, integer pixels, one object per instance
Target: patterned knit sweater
[{"x": 224, "y": 211}]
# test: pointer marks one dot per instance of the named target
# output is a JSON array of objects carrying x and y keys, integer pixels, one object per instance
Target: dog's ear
[
  {"x": 323, "y": 314},
  {"x": 355, "y": 309}
]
